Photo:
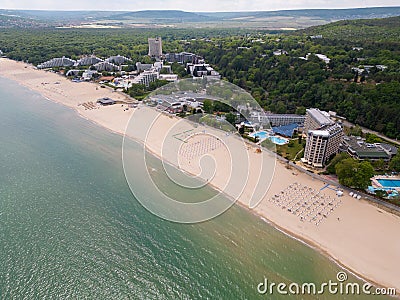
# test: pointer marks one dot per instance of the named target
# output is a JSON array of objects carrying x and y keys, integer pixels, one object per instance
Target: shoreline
[{"x": 309, "y": 238}]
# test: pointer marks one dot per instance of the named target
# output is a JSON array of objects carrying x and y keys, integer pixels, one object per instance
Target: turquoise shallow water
[{"x": 70, "y": 227}]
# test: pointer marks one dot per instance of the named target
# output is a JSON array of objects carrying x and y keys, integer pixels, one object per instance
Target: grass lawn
[{"x": 289, "y": 151}]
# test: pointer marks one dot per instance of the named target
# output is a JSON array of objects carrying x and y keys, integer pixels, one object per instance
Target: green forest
[{"x": 361, "y": 82}]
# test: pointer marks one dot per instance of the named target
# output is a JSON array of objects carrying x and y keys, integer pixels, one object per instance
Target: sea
[{"x": 70, "y": 227}]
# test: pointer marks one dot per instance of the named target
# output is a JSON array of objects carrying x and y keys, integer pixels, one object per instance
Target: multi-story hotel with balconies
[{"x": 323, "y": 138}]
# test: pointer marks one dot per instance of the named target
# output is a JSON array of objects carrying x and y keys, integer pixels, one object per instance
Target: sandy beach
[{"x": 356, "y": 234}]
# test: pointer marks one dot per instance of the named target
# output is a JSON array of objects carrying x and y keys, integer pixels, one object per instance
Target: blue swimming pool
[
  {"x": 263, "y": 135},
  {"x": 278, "y": 140},
  {"x": 391, "y": 192},
  {"x": 389, "y": 183}
]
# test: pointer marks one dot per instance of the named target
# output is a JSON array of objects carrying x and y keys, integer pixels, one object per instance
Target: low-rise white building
[
  {"x": 89, "y": 74},
  {"x": 73, "y": 72},
  {"x": 202, "y": 70},
  {"x": 168, "y": 77},
  {"x": 146, "y": 77},
  {"x": 320, "y": 56},
  {"x": 280, "y": 52}
]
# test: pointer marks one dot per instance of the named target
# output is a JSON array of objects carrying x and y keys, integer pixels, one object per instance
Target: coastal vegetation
[
  {"x": 395, "y": 164},
  {"x": 351, "y": 83},
  {"x": 39, "y": 45},
  {"x": 140, "y": 91},
  {"x": 361, "y": 81},
  {"x": 354, "y": 174},
  {"x": 92, "y": 189}
]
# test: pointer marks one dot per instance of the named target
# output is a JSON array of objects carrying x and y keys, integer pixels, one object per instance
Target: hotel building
[
  {"x": 155, "y": 47},
  {"x": 277, "y": 119},
  {"x": 323, "y": 138},
  {"x": 146, "y": 77},
  {"x": 57, "y": 62},
  {"x": 202, "y": 70},
  {"x": 88, "y": 61},
  {"x": 183, "y": 58},
  {"x": 316, "y": 119}
]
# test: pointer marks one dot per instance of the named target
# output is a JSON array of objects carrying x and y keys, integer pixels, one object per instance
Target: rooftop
[
  {"x": 357, "y": 146},
  {"x": 106, "y": 101},
  {"x": 323, "y": 133},
  {"x": 286, "y": 130},
  {"x": 319, "y": 116}
]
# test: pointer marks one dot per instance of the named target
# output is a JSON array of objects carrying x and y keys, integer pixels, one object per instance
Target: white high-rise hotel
[
  {"x": 155, "y": 47},
  {"x": 323, "y": 137}
]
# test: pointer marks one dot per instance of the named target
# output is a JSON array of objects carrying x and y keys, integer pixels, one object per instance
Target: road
[{"x": 366, "y": 130}]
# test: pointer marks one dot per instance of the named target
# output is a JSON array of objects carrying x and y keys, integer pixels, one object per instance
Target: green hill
[
  {"x": 324, "y": 14},
  {"x": 169, "y": 16},
  {"x": 254, "y": 19},
  {"x": 373, "y": 30}
]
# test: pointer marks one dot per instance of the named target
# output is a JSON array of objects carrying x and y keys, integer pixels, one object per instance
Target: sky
[{"x": 190, "y": 5}]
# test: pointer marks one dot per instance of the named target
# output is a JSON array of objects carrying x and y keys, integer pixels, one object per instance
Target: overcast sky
[{"x": 190, "y": 5}]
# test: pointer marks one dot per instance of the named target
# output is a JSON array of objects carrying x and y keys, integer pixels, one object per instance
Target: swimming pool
[
  {"x": 263, "y": 135},
  {"x": 389, "y": 183},
  {"x": 391, "y": 193},
  {"x": 278, "y": 140}
]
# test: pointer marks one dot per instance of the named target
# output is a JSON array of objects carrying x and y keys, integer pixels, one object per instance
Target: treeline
[
  {"x": 280, "y": 83},
  {"x": 287, "y": 83},
  {"x": 365, "y": 30},
  {"x": 39, "y": 45}
]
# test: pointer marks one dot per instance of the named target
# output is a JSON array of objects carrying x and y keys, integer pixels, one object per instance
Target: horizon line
[{"x": 180, "y": 10}]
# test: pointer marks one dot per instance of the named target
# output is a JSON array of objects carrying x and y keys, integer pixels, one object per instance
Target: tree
[
  {"x": 301, "y": 110},
  {"x": 230, "y": 117},
  {"x": 372, "y": 138},
  {"x": 378, "y": 164},
  {"x": 300, "y": 139},
  {"x": 395, "y": 163},
  {"x": 355, "y": 131},
  {"x": 221, "y": 107},
  {"x": 354, "y": 174},
  {"x": 208, "y": 106},
  {"x": 164, "y": 71},
  {"x": 338, "y": 158},
  {"x": 280, "y": 107},
  {"x": 381, "y": 193}
]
